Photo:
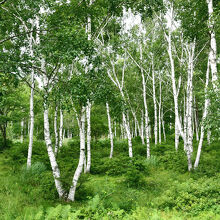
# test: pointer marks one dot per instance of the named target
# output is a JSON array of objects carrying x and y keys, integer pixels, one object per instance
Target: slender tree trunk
[
  {"x": 159, "y": 114},
  {"x": 127, "y": 128},
  {"x": 196, "y": 120},
  {"x": 61, "y": 129},
  {"x": 187, "y": 142},
  {"x": 142, "y": 127},
  {"x": 71, "y": 195},
  {"x": 51, "y": 155},
  {"x": 155, "y": 103},
  {"x": 64, "y": 133},
  {"x": 147, "y": 132},
  {"x": 88, "y": 113},
  {"x": 31, "y": 131},
  {"x": 55, "y": 130},
  {"x": 115, "y": 126},
  {"x": 177, "y": 134},
  {"x": 110, "y": 130},
  {"x": 209, "y": 137},
  {"x": 213, "y": 46},
  {"x": 205, "y": 112},
  {"x": 22, "y": 131},
  {"x": 164, "y": 132},
  {"x": 54, "y": 165}
]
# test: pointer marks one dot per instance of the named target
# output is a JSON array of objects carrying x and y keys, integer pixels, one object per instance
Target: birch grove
[{"x": 140, "y": 76}]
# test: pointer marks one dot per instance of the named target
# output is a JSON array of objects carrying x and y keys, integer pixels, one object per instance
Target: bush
[
  {"x": 38, "y": 182},
  {"x": 193, "y": 196}
]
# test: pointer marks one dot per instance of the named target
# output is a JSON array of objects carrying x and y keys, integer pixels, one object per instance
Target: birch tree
[{"x": 110, "y": 130}]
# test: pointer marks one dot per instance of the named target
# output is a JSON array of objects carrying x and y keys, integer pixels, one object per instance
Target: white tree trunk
[
  {"x": 54, "y": 165},
  {"x": 115, "y": 80},
  {"x": 71, "y": 195},
  {"x": 115, "y": 126},
  {"x": 177, "y": 134},
  {"x": 31, "y": 131},
  {"x": 142, "y": 127},
  {"x": 88, "y": 113},
  {"x": 187, "y": 142},
  {"x": 64, "y": 133},
  {"x": 189, "y": 103},
  {"x": 159, "y": 114},
  {"x": 55, "y": 130},
  {"x": 51, "y": 155},
  {"x": 155, "y": 103},
  {"x": 205, "y": 112},
  {"x": 61, "y": 129},
  {"x": 175, "y": 93},
  {"x": 164, "y": 132},
  {"x": 110, "y": 130},
  {"x": 127, "y": 128},
  {"x": 147, "y": 132},
  {"x": 213, "y": 47},
  {"x": 196, "y": 121},
  {"x": 209, "y": 137},
  {"x": 22, "y": 131}
]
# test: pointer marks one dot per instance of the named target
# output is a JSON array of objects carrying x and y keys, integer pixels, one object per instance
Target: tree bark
[
  {"x": 164, "y": 132},
  {"x": 205, "y": 112},
  {"x": 51, "y": 155},
  {"x": 88, "y": 113},
  {"x": 110, "y": 130},
  {"x": 61, "y": 129},
  {"x": 81, "y": 122},
  {"x": 155, "y": 103},
  {"x": 147, "y": 132},
  {"x": 213, "y": 46},
  {"x": 55, "y": 131},
  {"x": 159, "y": 113},
  {"x": 142, "y": 127},
  {"x": 31, "y": 131},
  {"x": 189, "y": 102},
  {"x": 127, "y": 128},
  {"x": 22, "y": 131}
]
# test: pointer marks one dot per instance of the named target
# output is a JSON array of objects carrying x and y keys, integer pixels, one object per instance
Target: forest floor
[{"x": 120, "y": 188}]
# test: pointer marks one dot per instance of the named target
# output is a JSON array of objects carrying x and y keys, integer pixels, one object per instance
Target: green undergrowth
[{"x": 117, "y": 188}]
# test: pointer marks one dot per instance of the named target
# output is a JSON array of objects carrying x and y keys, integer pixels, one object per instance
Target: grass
[{"x": 164, "y": 193}]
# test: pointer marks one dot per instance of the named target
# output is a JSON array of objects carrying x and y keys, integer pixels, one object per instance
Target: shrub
[
  {"x": 193, "y": 196},
  {"x": 38, "y": 182}
]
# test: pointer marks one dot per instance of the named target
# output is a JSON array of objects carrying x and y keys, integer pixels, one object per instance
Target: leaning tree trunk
[
  {"x": 205, "y": 112},
  {"x": 110, "y": 130},
  {"x": 196, "y": 120},
  {"x": 81, "y": 122},
  {"x": 53, "y": 163},
  {"x": 51, "y": 155}
]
